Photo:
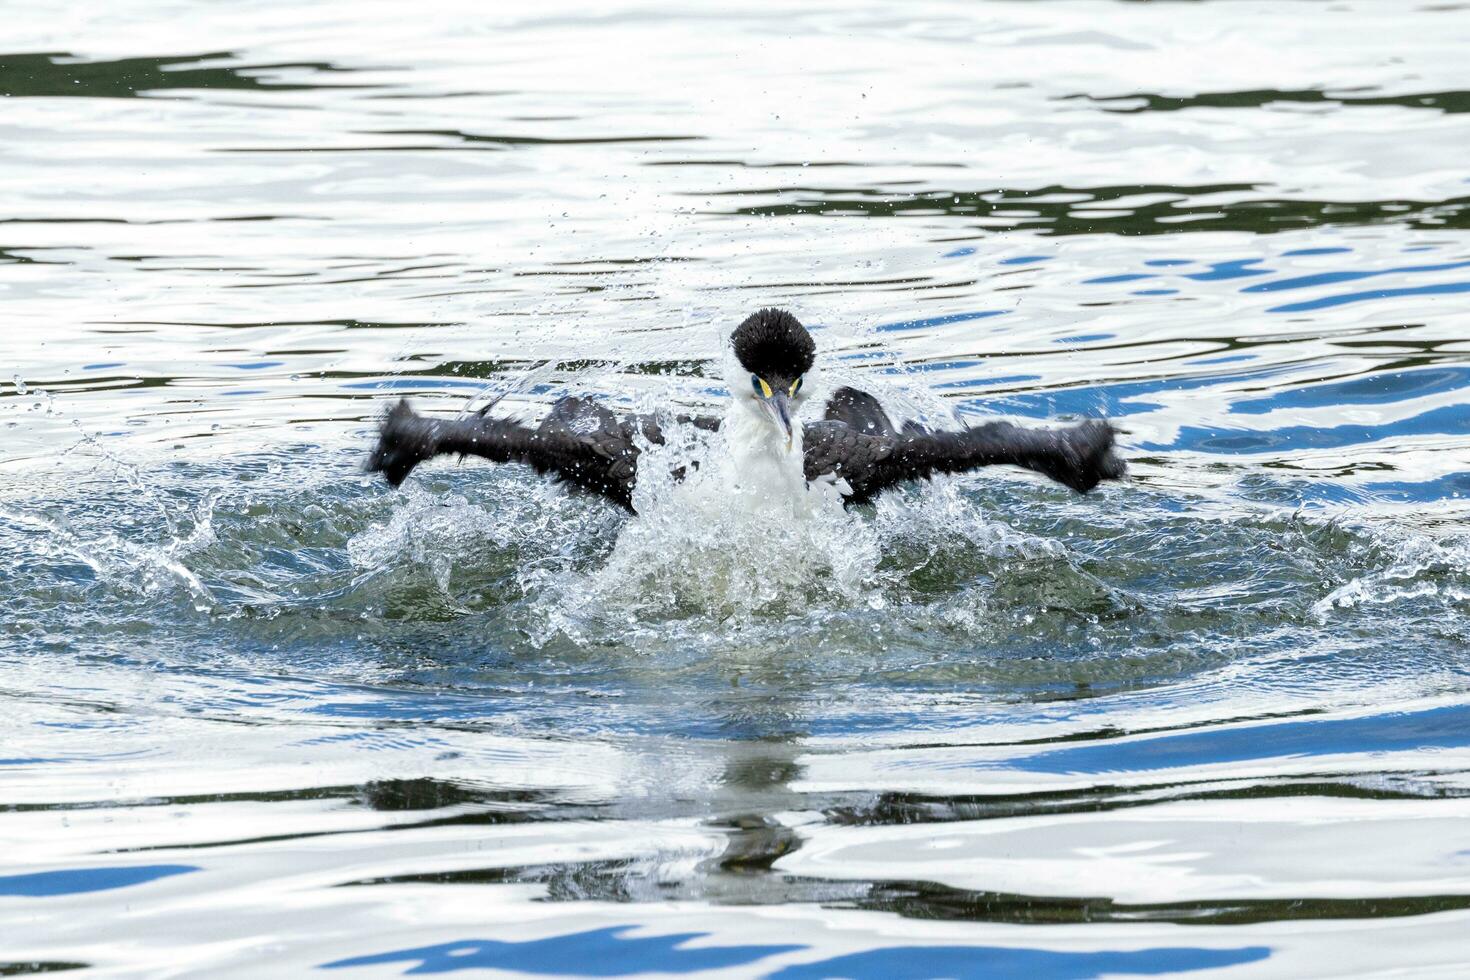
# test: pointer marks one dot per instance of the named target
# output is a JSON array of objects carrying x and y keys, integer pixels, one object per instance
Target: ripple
[
  {"x": 73, "y": 881},
  {"x": 1179, "y": 211},
  {"x": 1446, "y": 102},
  {"x": 53, "y": 75}
]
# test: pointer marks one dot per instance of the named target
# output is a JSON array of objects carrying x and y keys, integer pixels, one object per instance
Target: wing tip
[
  {"x": 1093, "y": 446},
  {"x": 404, "y": 441}
]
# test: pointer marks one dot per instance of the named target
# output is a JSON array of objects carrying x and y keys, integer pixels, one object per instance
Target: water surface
[{"x": 262, "y": 713}]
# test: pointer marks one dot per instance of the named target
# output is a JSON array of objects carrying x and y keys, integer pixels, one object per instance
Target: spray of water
[{"x": 719, "y": 545}]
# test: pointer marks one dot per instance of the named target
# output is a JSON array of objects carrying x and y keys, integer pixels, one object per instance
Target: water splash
[
  {"x": 1413, "y": 568},
  {"x": 141, "y": 568},
  {"x": 716, "y": 545}
]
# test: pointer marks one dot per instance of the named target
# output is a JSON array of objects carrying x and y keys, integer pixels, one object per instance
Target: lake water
[{"x": 260, "y": 715}]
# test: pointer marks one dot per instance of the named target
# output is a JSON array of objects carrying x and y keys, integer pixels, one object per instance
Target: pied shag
[{"x": 855, "y": 444}]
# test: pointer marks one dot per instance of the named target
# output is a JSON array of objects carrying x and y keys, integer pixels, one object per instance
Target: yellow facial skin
[{"x": 763, "y": 387}]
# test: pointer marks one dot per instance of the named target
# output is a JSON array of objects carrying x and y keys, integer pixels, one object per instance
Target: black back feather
[{"x": 860, "y": 412}]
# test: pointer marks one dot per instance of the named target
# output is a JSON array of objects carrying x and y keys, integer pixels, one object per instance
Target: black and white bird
[{"x": 855, "y": 446}]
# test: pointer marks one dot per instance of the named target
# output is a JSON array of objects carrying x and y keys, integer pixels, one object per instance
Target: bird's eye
[
  {"x": 760, "y": 386},
  {"x": 795, "y": 387}
]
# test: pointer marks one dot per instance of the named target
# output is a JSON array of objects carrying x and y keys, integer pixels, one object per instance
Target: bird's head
[{"x": 775, "y": 351}]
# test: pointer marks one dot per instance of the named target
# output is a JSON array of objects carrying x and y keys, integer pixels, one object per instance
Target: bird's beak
[{"x": 779, "y": 408}]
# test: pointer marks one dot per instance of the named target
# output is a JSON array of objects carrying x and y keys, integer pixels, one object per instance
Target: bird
[{"x": 855, "y": 446}]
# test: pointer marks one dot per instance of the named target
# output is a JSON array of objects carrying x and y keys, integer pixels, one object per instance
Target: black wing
[
  {"x": 580, "y": 441},
  {"x": 859, "y": 443}
]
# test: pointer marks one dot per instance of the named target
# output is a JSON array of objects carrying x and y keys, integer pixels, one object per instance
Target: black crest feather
[{"x": 773, "y": 344}]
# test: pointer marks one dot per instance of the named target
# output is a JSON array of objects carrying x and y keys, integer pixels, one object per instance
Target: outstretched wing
[
  {"x": 857, "y": 442},
  {"x": 580, "y": 441}
]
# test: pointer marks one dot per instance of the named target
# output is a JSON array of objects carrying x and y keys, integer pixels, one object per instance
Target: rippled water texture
[{"x": 260, "y": 715}]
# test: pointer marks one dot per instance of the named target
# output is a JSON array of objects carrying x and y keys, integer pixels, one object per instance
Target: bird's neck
[{"x": 759, "y": 451}]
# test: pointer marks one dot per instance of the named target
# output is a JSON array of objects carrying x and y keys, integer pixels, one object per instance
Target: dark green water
[{"x": 263, "y": 715}]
